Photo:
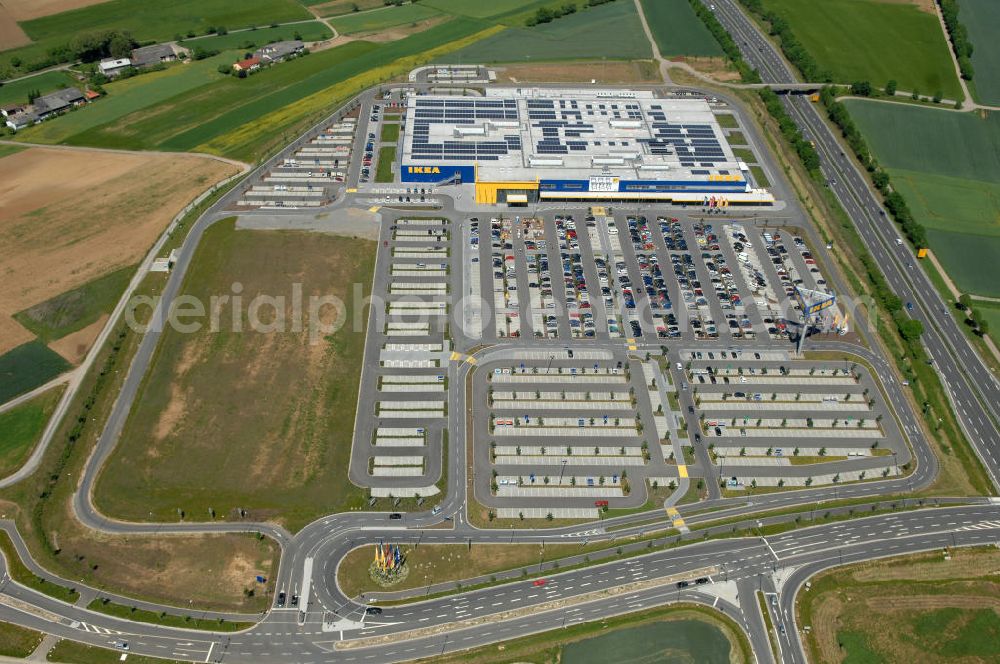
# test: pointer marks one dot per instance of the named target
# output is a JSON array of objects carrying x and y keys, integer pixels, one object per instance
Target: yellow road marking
[
  {"x": 374, "y": 208},
  {"x": 682, "y": 471}
]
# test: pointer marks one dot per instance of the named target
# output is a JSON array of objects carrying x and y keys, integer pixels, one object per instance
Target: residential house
[
  {"x": 111, "y": 67},
  {"x": 250, "y": 64},
  {"x": 148, "y": 56},
  {"x": 278, "y": 51}
]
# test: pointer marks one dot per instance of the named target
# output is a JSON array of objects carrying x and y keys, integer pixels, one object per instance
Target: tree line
[
  {"x": 959, "y": 37},
  {"x": 747, "y": 73}
]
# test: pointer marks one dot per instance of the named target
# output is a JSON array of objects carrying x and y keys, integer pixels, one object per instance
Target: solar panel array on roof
[{"x": 461, "y": 111}]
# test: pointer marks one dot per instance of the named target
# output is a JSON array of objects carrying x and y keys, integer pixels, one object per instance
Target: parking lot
[
  {"x": 311, "y": 175},
  {"x": 399, "y": 434}
]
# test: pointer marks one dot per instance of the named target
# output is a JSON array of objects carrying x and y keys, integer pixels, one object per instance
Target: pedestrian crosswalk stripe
[{"x": 682, "y": 471}]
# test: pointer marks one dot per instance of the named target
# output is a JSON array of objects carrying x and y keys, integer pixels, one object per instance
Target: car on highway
[
  {"x": 436, "y": 510},
  {"x": 701, "y": 580},
  {"x": 281, "y": 599},
  {"x": 538, "y": 583},
  {"x": 395, "y": 516},
  {"x": 683, "y": 584},
  {"x": 373, "y": 611},
  {"x": 121, "y": 645}
]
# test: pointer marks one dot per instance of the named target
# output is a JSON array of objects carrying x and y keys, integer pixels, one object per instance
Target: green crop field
[
  {"x": 251, "y": 39},
  {"x": 22, "y": 426},
  {"x": 277, "y": 439},
  {"x": 588, "y": 34},
  {"x": 151, "y": 21},
  {"x": 129, "y": 96},
  {"x": 75, "y": 309},
  {"x": 982, "y": 20},
  {"x": 677, "y": 30},
  {"x": 947, "y": 166},
  {"x": 874, "y": 41},
  {"x": 380, "y": 19},
  {"x": 26, "y": 367},
  {"x": 16, "y": 92}
]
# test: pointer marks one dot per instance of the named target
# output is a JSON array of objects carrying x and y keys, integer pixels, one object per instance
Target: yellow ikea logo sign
[
  {"x": 725, "y": 178},
  {"x": 419, "y": 170}
]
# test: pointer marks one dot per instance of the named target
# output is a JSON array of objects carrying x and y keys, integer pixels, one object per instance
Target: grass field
[
  {"x": 874, "y": 41},
  {"x": 759, "y": 177},
  {"x": 28, "y": 366},
  {"x": 947, "y": 165},
  {"x": 479, "y": 9},
  {"x": 250, "y": 39},
  {"x": 589, "y": 33},
  {"x": 991, "y": 312},
  {"x": 386, "y": 155},
  {"x": 16, "y": 92},
  {"x": 379, "y": 19},
  {"x": 135, "y": 614},
  {"x": 276, "y": 441},
  {"x": 982, "y": 20},
  {"x": 21, "y": 427},
  {"x": 17, "y": 641},
  {"x": 919, "y": 608},
  {"x": 155, "y": 21},
  {"x": 390, "y": 132},
  {"x": 75, "y": 309},
  {"x": 673, "y": 635},
  {"x": 132, "y": 95},
  {"x": 73, "y": 652},
  {"x": 338, "y": 7},
  {"x": 439, "y": 563},
  {"x": 24, "y": 576},
  {"x": 677, "y": 30},
  {"x": 727, "y": 120}
]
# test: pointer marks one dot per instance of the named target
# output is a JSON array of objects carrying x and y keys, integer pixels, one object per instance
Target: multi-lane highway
[
  {"x": 973, "y": 389},
  {"x": 324, "y": 626}
]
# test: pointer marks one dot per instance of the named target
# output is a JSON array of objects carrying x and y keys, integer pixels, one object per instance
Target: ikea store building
[{"x": 520, "y": 145}]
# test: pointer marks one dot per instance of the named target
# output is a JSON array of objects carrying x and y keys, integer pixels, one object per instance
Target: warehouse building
[{"x": 521, "y": 145}]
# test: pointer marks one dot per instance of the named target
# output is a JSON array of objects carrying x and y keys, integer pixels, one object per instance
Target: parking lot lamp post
[{"x": 561, "y": 471}]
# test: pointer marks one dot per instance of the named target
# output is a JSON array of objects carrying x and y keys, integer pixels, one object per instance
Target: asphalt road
[
  {"x": 299, "y": 635},
  {"x": 973, "y": 390}
]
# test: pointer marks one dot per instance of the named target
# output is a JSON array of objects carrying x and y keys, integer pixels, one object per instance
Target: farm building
[
  {"x": 152, "y": 55},
  {"x": 57, "y": 101},
  {"x": 278, "y": 51},
  {"x": 521, "y": 144},
  {"x": 45, "y": 106}
]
